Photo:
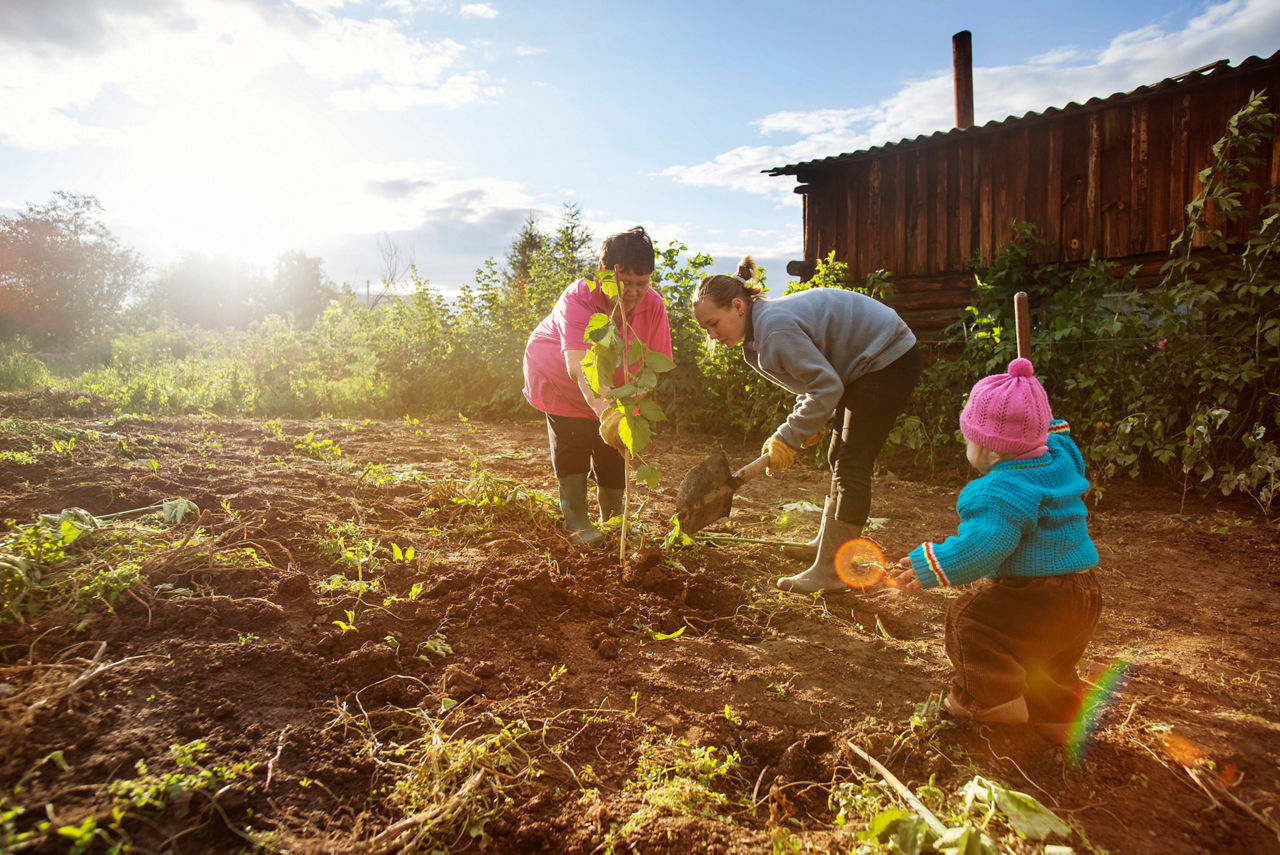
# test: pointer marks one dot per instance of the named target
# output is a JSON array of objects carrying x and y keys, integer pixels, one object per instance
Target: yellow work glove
[
  {"x": 609, "y": 424},
  {"x": 812, "y": 441},
  {"x": 780, "y": 454}
]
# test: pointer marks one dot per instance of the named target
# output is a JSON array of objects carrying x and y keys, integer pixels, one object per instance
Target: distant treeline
[{"x": 1178, "y": 382}]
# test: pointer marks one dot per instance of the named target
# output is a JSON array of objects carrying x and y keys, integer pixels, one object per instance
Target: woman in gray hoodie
[{"x": 844, "y": 355}]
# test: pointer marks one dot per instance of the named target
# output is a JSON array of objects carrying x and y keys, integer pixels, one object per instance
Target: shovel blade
[{"x": 705, "y": 494}]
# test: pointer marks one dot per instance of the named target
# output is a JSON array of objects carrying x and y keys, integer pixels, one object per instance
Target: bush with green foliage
[{"x": 1176, "y": 379}]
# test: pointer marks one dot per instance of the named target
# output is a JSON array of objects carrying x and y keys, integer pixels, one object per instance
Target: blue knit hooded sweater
[{"x": 1023, "y": 518}]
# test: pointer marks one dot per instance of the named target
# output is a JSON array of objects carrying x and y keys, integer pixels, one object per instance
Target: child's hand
[{"x": 905, "y": 579}]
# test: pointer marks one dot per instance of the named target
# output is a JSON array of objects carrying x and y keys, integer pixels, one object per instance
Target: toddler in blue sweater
[{"x": 1016, "y": 637}]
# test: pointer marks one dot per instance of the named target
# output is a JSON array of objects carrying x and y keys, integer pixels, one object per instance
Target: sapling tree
[{"x": 612, "y": 344}]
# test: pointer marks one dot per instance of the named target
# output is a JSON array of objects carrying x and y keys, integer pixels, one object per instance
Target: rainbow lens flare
[
  {"x": 1093, "y": 706},
  {"x": 860, "y": 563}
]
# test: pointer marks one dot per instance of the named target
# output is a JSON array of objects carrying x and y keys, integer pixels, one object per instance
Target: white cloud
[
  {"x": 457, "y": 90},
  {"x": 170, "y": 54},
  {"x": 1233, "y": 29},
  {"x": 478, "y": 10},
  {"x": 1058, "y": 56},
  {"x": 813, "y": 121},
  {"x": 319, "y": 5},
  {"x": 407, "y": 8}
]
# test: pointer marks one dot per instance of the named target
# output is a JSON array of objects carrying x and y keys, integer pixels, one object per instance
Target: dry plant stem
[
  {"x": 231, "y": 826},
  {"x": 908, "y": 796},
  {"x": 93, "y": 670},
  {"x": 716, "y": 537},
  {"x": 204, "y": 515},
  {"x": 1205, "y": 781},
  {"x": 755, "y": 792},
  {"x": 271, "y": 764},
  {"x": 389, "y": 840}
]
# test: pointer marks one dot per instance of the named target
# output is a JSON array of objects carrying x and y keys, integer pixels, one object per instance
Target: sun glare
[{"x": 244, "y": 178}]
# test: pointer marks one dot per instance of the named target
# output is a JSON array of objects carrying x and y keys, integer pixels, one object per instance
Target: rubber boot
[
  {"x": 809, "y": 551},
  {"x": 611, "y": 500},
  {"x": 573, "y": 504},
  {"x": 821, "y": 574}
]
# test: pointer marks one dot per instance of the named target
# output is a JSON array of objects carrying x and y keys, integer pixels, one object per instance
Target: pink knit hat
[{"x": 1008, "y": 413}]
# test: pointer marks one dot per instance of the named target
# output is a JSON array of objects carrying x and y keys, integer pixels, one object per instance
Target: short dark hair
[{"x": 631, "y": 250}]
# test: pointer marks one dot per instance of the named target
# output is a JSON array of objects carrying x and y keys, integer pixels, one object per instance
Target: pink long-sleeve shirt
[{"x": 547, "y": 384}]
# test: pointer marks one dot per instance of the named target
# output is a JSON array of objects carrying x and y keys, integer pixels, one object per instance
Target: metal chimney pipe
[{"x": 962, "y": 68}]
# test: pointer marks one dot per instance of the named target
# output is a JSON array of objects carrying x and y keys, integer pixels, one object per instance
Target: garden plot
[{"x": 373, "y": 637}]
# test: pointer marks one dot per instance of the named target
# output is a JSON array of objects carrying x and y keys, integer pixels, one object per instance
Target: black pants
[
  {"x": 864, "y": 417},
  {"x": 576, "y": 448}
]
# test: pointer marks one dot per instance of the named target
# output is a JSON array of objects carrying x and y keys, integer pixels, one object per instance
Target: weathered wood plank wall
[{"x": 1111, "y": 177}]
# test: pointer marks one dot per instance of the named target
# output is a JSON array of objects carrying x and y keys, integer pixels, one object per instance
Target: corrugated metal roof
[{"x": 1212, "y": 70}]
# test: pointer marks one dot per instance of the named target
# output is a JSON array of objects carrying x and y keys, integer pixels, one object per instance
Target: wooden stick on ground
[{"x": 908, "y": 796}]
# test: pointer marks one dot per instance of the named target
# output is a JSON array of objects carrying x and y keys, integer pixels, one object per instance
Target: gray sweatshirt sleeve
[
  {"x": 814, "y": 342},
  {"x": 795, "y": 363}
]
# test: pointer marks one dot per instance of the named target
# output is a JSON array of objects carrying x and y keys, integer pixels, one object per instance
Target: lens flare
[
  {"x": 860, "y": 563},
  {"x": 1093, "y": 706}
]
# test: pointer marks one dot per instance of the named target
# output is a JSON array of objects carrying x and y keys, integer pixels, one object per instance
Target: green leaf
[
  {"x": 651, "y": 411},
  {"x": 676, "y": 537},
  {"x": 635, "y": 433},
  {"x": 397, "y": 554},
  {"x": 597, "y": 328},
  {"x": 658, "y": 362},
  {"x": 176, "y": 509},
  {"x": 1027, "y": 816},
  {"x": 965, "y": 840},
  {"x": 668, "y": 636},
  {"x": 882, "y": 824},
  {"x": 598, "y": 367},
  {"x": 647, "y": 474},
  {"x": 608, "y": 284},
  {"x": 623, "y": 391},
  {"x": 802, "y": 505},
  {"x": 69, "y": 531},
  {"x": 901, "y": 830}
]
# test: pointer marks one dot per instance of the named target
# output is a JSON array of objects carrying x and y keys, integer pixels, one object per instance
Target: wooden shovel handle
[
  {"x": 1022, "y": 322},
  {"x": 751, "y": 470}
]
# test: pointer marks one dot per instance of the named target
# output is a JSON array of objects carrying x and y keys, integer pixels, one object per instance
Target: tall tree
[
  {"x": 524, "y": 249},
  {"x": 299, "y": 288},
  {"x": 214, "y": 293},
  {"x": 63, "y": 274}
]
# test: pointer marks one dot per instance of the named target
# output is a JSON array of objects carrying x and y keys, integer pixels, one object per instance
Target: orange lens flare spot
[
  {"x": 1182, "y": 750},
  {"x": 860, "y": 563}
]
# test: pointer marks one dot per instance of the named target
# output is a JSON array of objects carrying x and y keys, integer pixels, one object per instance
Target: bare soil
[{"x": 516, "y": 631}]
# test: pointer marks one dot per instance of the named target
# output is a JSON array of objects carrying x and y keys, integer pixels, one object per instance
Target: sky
[{"x": 249, "y": 128}]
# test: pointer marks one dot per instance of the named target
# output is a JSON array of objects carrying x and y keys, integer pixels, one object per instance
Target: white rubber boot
[
  {"x": 809, "y": 551},
  {"x": 821, "y": 575}
]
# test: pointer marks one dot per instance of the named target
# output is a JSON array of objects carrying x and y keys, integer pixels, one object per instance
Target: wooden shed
[{"x": 1109, "y": 177}]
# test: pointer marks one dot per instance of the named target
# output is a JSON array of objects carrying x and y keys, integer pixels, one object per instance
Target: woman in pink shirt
[{"x": 554, "y": 381}]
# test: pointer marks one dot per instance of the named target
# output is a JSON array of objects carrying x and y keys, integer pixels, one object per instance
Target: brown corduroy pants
[{"x": 1022, "y": 638}]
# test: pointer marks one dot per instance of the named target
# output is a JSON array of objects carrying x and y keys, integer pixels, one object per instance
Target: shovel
[
  {"x": 1022, "y": 324},
  {"x": 706, "y": 492}
]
